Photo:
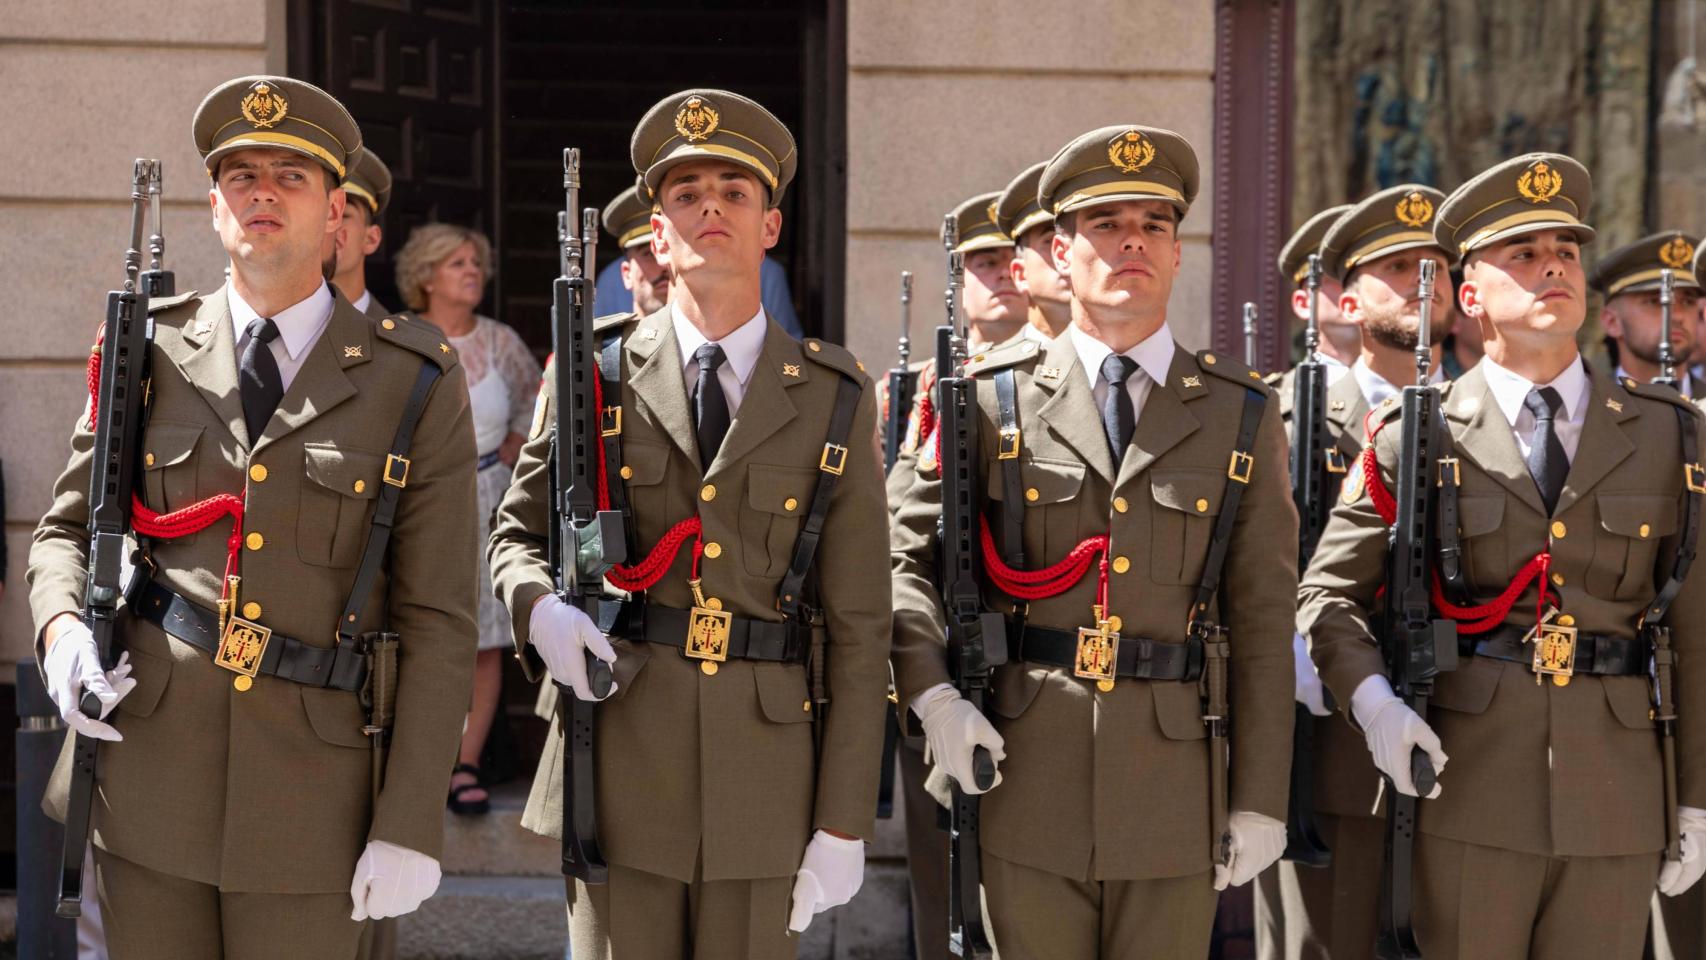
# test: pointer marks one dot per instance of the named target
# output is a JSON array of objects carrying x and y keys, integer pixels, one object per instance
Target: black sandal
[{"x": 468, "y": 808}]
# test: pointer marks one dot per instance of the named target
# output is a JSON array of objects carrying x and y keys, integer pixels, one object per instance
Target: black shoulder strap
[
  {"x": 1012, "y": 485},
  {"x": 395, "y": 477},
  {"x": 610, "y": 428},
  {"x": 1447, "y": 529},
  {"x": 1238, "y": 470},
  {"x": 1694, "y": 485},
  {"x": 791, "y": 599}
]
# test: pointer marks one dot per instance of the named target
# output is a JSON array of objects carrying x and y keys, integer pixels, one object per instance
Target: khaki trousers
[
  {"x": 639, "y": 915},
  {"x": 1677, "y": 931},
  {"x": 156, "y": 916},
  {"x": 1482, "y": 903},
  {"x": 926, "y": 857},
  {"x": 1324, "y": 913},
  {"x": 1037, "y": 915}
]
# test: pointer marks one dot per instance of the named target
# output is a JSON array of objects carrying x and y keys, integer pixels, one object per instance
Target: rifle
[
  {"x": 586, "y": 541},
  {"x": 1415, "y": 646},
  {"x": 126, "y": 340},
  {"x": 977, "y": 640},
  {"x": 1250, "y": 335},
  {"x": 157, "y": 281},
  {"x": 1667, "y": 354},
  {"x": 900, "y": 380},
  {"x": 1303, "y": 843}
]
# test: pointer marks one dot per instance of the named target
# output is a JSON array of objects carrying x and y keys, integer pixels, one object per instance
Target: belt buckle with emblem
[
  {"x": 708, "y": 629},
  {"x": 1098, "y": 651},
  {"x": 1554, "y": 648},
  {"x": 241, "y": 648}
]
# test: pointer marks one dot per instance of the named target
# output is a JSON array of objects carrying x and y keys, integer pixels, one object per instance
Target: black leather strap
[
  {"x": 791, "y": 599},
  {"x": 1138, "y": 658},
  {"x": 610, "y": 427},
  {"x": 1012, "y": 484},
  {"x": 1454, "y": 580},
  {"x": 343, "y": 667},
  {"x": 787, "y": 641},
  {"x": 1242, "y": 462},
  {"x": 1596, "y": 655},
  {"x": 1689, "y": 540}
]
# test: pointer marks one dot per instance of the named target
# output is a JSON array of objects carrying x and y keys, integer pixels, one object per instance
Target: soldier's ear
[
  {"x": 335, "y": 209},
  {"x": 660, "y": 246},
  {"x": 375, "y": 236},
  {"x": 1350, "y": 306},
  {"x": 1300, "y": 303},
  {"x": 1611, "y": 322},
  {"x": 1016, "y": 270},
  {"x": 772, "y": 227},
  {"x": 1469, "y": 299},
  {"x": 1060, "y": 248}
]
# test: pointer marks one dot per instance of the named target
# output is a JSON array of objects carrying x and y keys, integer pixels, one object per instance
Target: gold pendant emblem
[
  {"x": 1554, "y": 649},
  {"x": 263, "y": 106},
  {"x": 790, "y": 369},
  {"x": 1098, "y": 651},
  {"x": 1677, "y": 253},
  {"x": 1540, "y": 182},
  {"x": 1414, "y": 210},
  {"x": 242, "y": 646},
  {"x": 708, "y": 628},
  {"x": 1131, "y": 151},
  {"x": 696, "y": 120}
]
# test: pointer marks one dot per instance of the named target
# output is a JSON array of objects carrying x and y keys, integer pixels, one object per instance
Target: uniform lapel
[
  {"x": 1487, "y": 439},
  {"x": 1603, "y": 444},
  {"x": 1347, "y": 408},
  {"x": 212, "y": 367},
  {"x": 657, "y": 382},
  {"x": 765, "y": 408},
  {"x": 321, "y": 384},
  {"x": 1165, "y": 421},
  {"x": 1070, "y": 412}
]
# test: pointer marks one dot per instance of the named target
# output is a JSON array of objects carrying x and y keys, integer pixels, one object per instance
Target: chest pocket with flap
[
  {"x": 169, "y": 466},
  {"x": 1478, "y": 520},
  {"x": 775, "y": 506},
  {"x": 1050, "y": 489},
  {"x": 339, "y": 487},
  {"x": 1186, "y": 503},
  {"x": 1626, "y": 545}
]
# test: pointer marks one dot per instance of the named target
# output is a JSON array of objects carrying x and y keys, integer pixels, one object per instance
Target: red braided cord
[
  {"x": 95, "y": 375},
  {"x": 1047, "y": 582}
]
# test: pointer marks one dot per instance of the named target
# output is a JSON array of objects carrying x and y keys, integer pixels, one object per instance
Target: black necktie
[
  {"x": 710, "y": 407},
  {"x": 1118, "y": 417},
  {"x": 258, "y": 380},
  {"x": 1547, "y": 463}
]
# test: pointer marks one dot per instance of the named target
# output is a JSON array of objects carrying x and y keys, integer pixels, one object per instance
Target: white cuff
[
  {"x": 1371, "y": 694},
  {"x": 919, "y": 702}
]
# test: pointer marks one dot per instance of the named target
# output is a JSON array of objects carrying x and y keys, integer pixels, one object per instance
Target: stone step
[{"x": 488, "y": 918}]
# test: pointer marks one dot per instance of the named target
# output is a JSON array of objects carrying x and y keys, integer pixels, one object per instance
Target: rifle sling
[
  {"x": 610, "y": 371},
  {"x": 792, "y": 601},
  {"x": 1221, "y": 539},
  {"x": 1687, "y": 543},
  {"x": 1012, "y": 485}
]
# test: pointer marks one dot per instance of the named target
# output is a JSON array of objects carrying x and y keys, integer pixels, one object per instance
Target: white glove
[
  {"x": 1255, "y": 842},
  {"x": 73, "y": 665},
  {"x": 563, "y": 633},
  {"x": 1310, "y": 693},
  {"x": 1675, "y": 878},
  {"x": 1393, "y": 730},
  {"x": 953, "y": 730},
  {"x": 830, "y": 874},
  {"x": 391, "y": 881}
]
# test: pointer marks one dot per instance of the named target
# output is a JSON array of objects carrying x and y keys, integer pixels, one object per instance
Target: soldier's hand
[
  {"x": 73, "y": 665},
  {"x": 1675, "y": 877},
  {"x": 1254, "y": 842},
  {"x": 953, "y": 730},
  {"x": 391, "y": 881},
  {"x": 563, "y": 634},
  {"x": 1310, "y": 692},
  {"x": 1393, "y": 732},
  {"x": 830, "y": 874}
]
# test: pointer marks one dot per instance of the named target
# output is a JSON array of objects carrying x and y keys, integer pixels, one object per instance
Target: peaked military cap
[
  {"x": 1635, "y": 267},
  {"x": 1017, "y": 209},
  {"x": 1294, "y": 256},
  {"x": 1111, "y": 164},
  {"x": 975, "y": 219},
  {"x": 713, "y": 125},
  {"x": 1392, "y": 220},
  {"x": 1536, "y": 191},
  {"x": 629, "y": 219},
  {"x": 369, "y": 179},
  {"x": 276, "y": 112}
]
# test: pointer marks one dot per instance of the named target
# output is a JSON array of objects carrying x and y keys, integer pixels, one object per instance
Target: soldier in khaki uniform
[
  {"x": 1632, "y": 317},
  {"x": 1020, "y": 216},
  {"x": 232, "y": 812},
  {"x": 722, "y": 834},
  {"x": 1340, "y": 340},
  {"x": 1370, "y": 253},
  {"x": 1096, "y": 837},
  {"x": 629, "y": 220},
  {"x": 367, "y": 187},
  {"x": 1542, "y": 838}
]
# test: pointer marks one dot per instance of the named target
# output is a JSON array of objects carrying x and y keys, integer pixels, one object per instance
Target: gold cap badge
[
  {"x": 1414, "y": 210},
  {"x": 1677, "y": 253},
  {"x": 1131, "y": 151},
  {"x": 263, "y": 106},
  {"x": 696, "y": 120},
  {"x": 1540, "y": 182}
]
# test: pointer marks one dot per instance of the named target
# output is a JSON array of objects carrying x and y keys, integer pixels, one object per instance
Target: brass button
[
  {"x": 1121, "y": 564},
  {"x": 627, "y": 473},
  {"x": 806, "y": 706},
  {"x": 1115, "y": 623},
  {"x": 708, "y": 667},
  {"x": 708, "y": 493},
  {"x": 243, "y": 683},
  {"x": 257, "y": 473},
  {"x": 255, "y": 541},
  {"x": 1557, "y": 579},
  {"x": 813, "y": 346},
  {"x": 251, "y": 610},
  {"x": 790, "y": 503},
  {"x": 713, "y": 549},
  {"x": 1202, "y": 505},
  {"x": 1558, "y": 530},
  {"x": 360, "y": 485},
  {"x": 1646, "y": 531},
  {"x": 1120, "y": 506},
  {"x": 1208, "y": 358},
  {"x": 388, "y": 324},
  {"x": 1106, "y": 686},
  {"x": 148, "y": 460},
  {"x": 1031, "y": 494}
]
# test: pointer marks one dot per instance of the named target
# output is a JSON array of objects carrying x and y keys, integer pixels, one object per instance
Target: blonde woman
[{"x": 441, "y": 274}]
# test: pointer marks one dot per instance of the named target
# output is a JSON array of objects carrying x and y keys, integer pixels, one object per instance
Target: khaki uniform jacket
[
  {"x": 711, "y": 777},
  {"x": 1541, "y": 769},
  {"x": 269, "y": 790},
  {"x": 1115, "y": 785}
]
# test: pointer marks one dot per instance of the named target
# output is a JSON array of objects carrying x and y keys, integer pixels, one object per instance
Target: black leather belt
[
  {"x": 341, "y": 668},
  {"x": 1596, "y": 655},
  {"x": 1138, "y": 658},
  {"x": 749, "y": 639}
]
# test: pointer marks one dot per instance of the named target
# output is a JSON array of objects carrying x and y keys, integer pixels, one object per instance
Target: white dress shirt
[
  {"x": 361, "y": 302},
  {"x": 1510, "y": 389},
  {"x": 1154, "y": 357},
  {"x": 1376, "y": 388},
  {"x": 740, "y": 354},
  {"x": 299, "y": 326},
  {"x": 1336, "y": 368}
]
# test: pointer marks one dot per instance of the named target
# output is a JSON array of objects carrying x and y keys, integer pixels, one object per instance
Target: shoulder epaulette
[
  {"x": 610, "y": 320},
  {"x": 833, "y": 356},
  {"x": 157, "y": 304},
  {"x": 1275, "y": 379},
  {"x": 1227, "y": 368},
  {"x": 1014, "y": 352},
  {"x": 419, "y": 336},
  {"x": 1651, "y": 391}
]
